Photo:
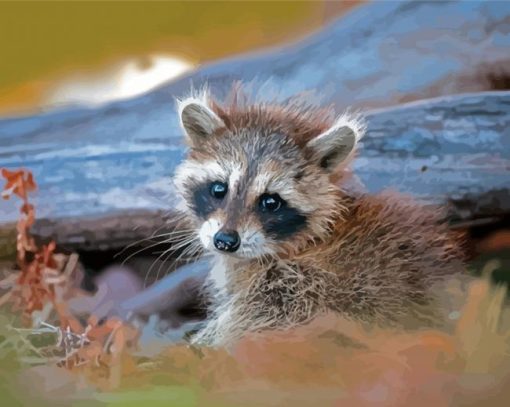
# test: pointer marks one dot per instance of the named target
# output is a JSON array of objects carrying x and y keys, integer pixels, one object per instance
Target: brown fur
[
  {"x": 369, "y": 257},
  {"x": 383, "y": 255}
]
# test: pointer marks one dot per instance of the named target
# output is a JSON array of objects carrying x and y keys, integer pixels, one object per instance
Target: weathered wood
[
  {"x": 114, "y": 230},
  {"x": 454, "y": 150},
  {"x": 448, "y": 150}
]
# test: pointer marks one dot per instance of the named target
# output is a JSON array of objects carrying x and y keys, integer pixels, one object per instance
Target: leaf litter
[{"x": 331, "y": 361}]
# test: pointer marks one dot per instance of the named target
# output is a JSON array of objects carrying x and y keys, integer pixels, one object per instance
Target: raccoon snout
[{"x": 227, "y": 240}]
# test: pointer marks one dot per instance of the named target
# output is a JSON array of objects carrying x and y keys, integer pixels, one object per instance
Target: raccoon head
[{"x": 258, "y": 180}]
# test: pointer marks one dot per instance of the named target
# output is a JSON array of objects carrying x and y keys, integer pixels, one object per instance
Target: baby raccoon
[{"x": 262, "y": 187}]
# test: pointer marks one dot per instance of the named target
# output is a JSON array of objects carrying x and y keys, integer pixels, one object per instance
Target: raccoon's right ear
[{"x": 198, "y": 120}]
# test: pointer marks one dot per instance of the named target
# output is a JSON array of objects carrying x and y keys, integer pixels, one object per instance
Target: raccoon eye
[
  {"x": 218, "y": 189},
  {"x": 270, "y": 202}
]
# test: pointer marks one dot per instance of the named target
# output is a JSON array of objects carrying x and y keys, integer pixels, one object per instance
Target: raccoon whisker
[
  {"x": 192, "y": 256},
  {"x": 168, "y": 253},
  {"x": 140, "y": 251},
  {"x": 173, "y": 223},
  {"x": 196, "y": 251},
  {"x": 152, "y": 265},
  {"x": 191, "y": 251},
  {"x": 183, "y": 241},
  {"x": 147, "y": 248},
  {"x": 175, "y": 233},
  {"x": 192, "y": 247},
  {"x": 156, "y": 231},
  {"x": 185, "y": 244},
  {"x": 176, "y": 244},
  {"x": 192, "y": 244}
]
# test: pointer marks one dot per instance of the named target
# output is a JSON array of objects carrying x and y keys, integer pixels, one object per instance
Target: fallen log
[
  {"x": 452, "y": 150},
  {"x": 114, "y": 162}
]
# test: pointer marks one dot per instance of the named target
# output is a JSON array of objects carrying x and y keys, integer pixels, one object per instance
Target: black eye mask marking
[
  {"x": 203, "y": 202},
  {"x": 283, "y": 223}
]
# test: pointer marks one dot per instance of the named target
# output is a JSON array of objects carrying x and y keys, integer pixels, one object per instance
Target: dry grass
[
  {"x": 336, "y": 362},
  {"x": 331, "y": 361}
]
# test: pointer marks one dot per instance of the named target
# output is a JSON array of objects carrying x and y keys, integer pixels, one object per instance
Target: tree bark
[{"x": 453, "y": 150}]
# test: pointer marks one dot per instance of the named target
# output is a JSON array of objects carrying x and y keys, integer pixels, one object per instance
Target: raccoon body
[{"x": 263, "y": 188}]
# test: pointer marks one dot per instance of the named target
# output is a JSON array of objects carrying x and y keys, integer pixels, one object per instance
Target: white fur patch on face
[
  {"x": 181, "y": 205},
  {"x": 198, "y": 172},
  {"x": 261, "y": 182},
  {"x": 273, "y": 184},
  {"x": 253, "y": 244},
  {"x": 207, "y": 232},
  {"x": 235, "y": 176},
  {"x": 253, "y": 241}
]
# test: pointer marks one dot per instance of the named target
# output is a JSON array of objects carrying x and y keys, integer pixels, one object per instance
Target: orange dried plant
[
  {"x": 37, "y": 266},
  {"x": 43, "y": 279}
]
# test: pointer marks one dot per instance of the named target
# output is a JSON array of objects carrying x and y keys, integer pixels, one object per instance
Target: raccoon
[{"x": 262, "y": 187}]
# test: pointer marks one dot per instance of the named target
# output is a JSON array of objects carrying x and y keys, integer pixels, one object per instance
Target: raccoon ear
[
  {"x": 198, "y": 120},
  {"x": 332, "y": 147}
]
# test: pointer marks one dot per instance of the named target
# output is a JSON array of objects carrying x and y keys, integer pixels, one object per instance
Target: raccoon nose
[{"x": 227, "y": 240}]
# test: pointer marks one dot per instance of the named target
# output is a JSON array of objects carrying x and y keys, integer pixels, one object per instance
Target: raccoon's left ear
[
  {"x": 331, "y": 148},
  {"x": 198, "y": 120}
]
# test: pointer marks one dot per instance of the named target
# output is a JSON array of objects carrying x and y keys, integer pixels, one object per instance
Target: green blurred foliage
[{"x": 38, "y": 38}]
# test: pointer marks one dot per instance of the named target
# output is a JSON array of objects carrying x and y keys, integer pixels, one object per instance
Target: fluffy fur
[{"x": 371, "y": 258}]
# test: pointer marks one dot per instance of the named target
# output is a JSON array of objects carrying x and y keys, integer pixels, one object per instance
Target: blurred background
[
  {"x": 93, "y": 52},
  {"x": 90, "y": 53}
]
